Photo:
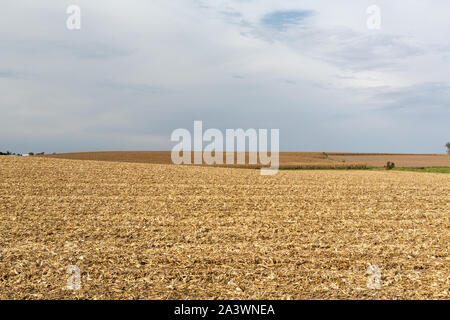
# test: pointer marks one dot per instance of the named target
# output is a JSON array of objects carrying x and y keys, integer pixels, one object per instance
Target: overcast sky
[{"x": 137, "y": 70}]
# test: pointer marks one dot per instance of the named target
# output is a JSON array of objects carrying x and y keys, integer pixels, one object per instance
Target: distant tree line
[
  {"x": 9, "y": 153},
  {"x": 448, "y": 147}
]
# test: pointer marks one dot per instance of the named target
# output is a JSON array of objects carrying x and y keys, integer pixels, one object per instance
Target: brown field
[
  {"x": 287, "y": 159},
  {"x": 152, "y": 231},
  {"x": 400, "y": 160}
]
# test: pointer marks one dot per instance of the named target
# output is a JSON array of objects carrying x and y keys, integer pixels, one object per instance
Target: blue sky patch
[{"x": 281, "y": 20}]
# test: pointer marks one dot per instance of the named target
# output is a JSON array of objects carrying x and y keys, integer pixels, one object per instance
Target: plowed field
[{"x": 150, "y": 231}]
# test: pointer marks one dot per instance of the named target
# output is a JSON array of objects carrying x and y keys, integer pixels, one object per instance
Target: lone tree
[{"x": 448, "y": 147}]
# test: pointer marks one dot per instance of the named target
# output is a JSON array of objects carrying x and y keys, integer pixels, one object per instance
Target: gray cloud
[
  {"x": 138, "y": 70},
  {"x": 426, "y": 98},
  {"x": 348, "y": 49}
]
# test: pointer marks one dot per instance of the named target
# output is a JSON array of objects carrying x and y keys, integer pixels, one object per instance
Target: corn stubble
[{"x": 148, "y": 231}]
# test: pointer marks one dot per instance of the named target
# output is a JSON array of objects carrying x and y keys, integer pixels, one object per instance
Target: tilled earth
[{"x": 148, "y": 231}]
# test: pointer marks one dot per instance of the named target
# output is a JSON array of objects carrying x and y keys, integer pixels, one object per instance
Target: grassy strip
[
  {"x": 330, "y": 168},
  {"x": 427, "y": 169}
]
